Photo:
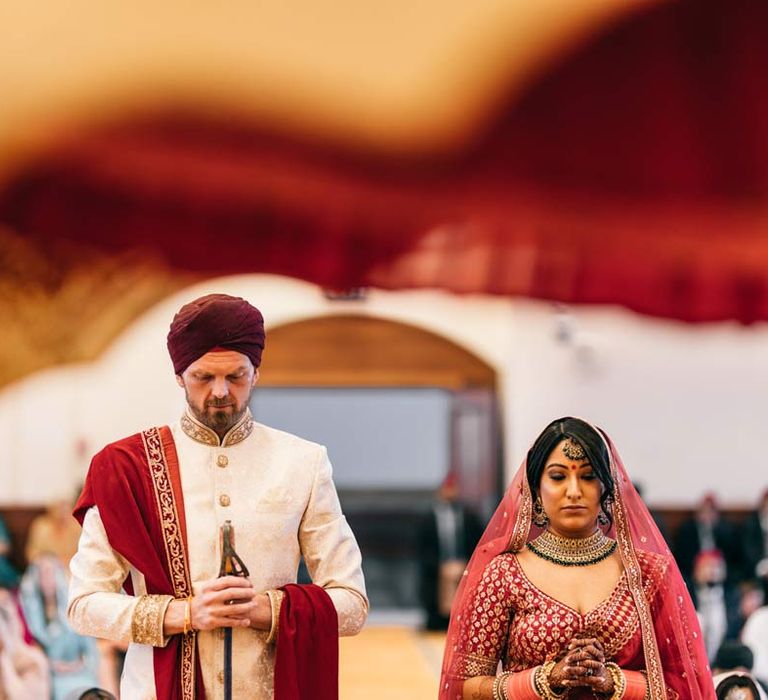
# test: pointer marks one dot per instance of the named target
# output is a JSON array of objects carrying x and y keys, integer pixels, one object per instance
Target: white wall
[{"x": 685, "y": 404}]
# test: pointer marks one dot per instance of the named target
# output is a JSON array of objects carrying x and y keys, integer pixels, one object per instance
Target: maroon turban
[{"x": 215, "y": 321}]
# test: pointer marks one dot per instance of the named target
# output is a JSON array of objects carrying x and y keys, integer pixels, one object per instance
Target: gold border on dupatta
[
  {"x": 174, "y": 547},
  {"x": 653, "y": 667},
  {"x": 524, "y": 513}
]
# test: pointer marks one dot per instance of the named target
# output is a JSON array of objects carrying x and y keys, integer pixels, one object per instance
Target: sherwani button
[
  {"x": 222, "y": 460},
  {"x": 220, "y": 676},
  {"x": 224, "y": 500}
]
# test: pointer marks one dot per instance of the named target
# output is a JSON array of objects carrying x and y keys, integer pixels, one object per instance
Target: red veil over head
[{"x": 675, "y": 657}]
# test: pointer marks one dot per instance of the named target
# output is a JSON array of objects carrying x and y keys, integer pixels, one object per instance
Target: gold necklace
[{"x": 568, "y": 551}]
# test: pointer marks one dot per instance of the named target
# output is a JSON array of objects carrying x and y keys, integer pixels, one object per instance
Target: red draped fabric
[
  {"x": 307, "y": 654},
  {"x": 120, "y": 483},
  {"x": 635, "y": 171}
]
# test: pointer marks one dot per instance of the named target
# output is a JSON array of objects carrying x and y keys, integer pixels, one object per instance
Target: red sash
[
  {"x": 307, "y": 654},
  {"x": 136, "y": 485}
]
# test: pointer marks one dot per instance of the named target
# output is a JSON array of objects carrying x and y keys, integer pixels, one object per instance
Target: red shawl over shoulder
[{"x": 135, "y": 484}]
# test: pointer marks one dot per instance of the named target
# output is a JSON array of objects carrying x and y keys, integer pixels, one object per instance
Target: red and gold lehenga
[{"x": 647, "y": 623}]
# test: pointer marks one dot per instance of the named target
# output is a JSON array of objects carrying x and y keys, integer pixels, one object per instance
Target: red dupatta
[
  {"x": 307, "y": 654},
  {"x": 675, "y": 658},
  {"x": 135, "y": 484}
]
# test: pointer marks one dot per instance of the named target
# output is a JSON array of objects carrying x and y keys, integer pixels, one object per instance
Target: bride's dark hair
[{"x": 592, "y": 444}]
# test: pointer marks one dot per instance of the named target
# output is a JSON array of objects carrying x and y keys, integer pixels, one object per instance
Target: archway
[{"x": 398, "y": 407}]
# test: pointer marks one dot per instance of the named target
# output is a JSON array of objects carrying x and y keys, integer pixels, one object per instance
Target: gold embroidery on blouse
[
  {"x": 471, "y": 665},
  {"x": 198, "y": 432},
  {"x": 147, "y": 619},
  {"x": 512, "y": 621}
]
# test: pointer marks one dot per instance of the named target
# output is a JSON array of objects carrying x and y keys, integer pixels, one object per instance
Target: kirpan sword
[{"x": 231, "y": 565}]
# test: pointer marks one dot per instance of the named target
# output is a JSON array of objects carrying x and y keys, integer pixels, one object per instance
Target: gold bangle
[
  {"x": 499, "y": 690},
  {"x": 619, "y": 680},
  {"x": 541, "y": 682},
  {"x": 188, "y": 615},
  {"x": 495, "y": 692}
]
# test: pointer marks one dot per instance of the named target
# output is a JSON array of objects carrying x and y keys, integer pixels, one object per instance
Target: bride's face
[{"x": 570, "y": 494}]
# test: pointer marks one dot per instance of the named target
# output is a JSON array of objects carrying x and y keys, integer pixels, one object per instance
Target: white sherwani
[{"x": 277, "y": 490}]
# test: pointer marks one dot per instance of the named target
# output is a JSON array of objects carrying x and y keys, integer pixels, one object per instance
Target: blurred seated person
[
  {"x": 733, "y": 656},
  {"x": 754, "y": 537},
  {"x": 24, "y": 671},
  {"x": 737, "y": 686},
  {"x": 448, "y": 537},
  {"x": 706, "y": 530},
  {"x": 54, "y": 532},
  {"x": 751, "y": 598},
  {"x": 96, "y": 694},
  {"x": 74, "y": 659},
  {"x": 716, "y": 601},
  {"x": 755, "y": 635},
  {"x": 9, "y": 577}
]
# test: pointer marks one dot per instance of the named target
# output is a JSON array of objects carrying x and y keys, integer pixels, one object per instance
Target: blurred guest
[
  {"x": 9, "y": 577},
  {"x": 755, "y": 635},
  {"x": 755, "y": 541},
  {"x": 751, "y": 598},
  {"x": 733, "y": 656},
  {"x": 737, "y": 686},
  {"x": 715, "y": 600},
  {"x": 23, "y": 667},
  {"x": 706, "y": 530},
  {"x": 448, "y": 536},
  {"x": 111, "y": 662},
  {"x": 96, "y": 694},
  {"x": 74, "y": 659},
  {"x": 54, "y": 532}
]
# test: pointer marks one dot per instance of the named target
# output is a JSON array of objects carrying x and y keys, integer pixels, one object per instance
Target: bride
[{"x": 572, "y": 592}]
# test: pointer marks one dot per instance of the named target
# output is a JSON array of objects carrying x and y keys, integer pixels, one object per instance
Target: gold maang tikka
[{"x": 572, "y": 449}]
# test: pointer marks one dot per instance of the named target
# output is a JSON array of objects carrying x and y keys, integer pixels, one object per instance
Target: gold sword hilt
[{"x": 231, "y": 563}]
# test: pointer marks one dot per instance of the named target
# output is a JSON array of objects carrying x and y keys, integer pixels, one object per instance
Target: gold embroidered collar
[{"x": 204, "y": 435}]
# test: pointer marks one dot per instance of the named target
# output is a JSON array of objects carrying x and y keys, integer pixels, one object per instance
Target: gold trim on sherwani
[
  {"x": 198, "y": 432},
  {"x": 166, "y": 484},
  {"x": 275, "y": 603},
  {"x": 147, "y": 619}
]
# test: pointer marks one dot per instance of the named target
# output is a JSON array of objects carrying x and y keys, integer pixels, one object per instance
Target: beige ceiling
[{"x": 402, "y": 75}]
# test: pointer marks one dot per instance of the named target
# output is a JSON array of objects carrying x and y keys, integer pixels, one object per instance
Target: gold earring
[{"x": 539, "y": 516}]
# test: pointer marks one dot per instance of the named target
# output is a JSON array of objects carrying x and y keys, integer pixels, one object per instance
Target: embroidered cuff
[
  {"x": 147, "y": 620},
  {"x": 275, "y": 601}
]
